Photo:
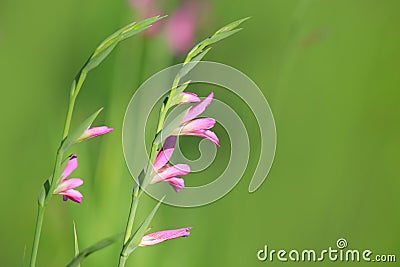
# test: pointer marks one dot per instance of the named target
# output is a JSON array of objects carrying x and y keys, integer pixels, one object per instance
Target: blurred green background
[{"x": 330, "y": 71}]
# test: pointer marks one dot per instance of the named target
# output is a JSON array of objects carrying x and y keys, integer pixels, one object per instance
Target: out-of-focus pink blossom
[
  {"x": 181, "y": 28},
  {"x": 93, "y": 132},
  {"x": 163, "y": 172},
  {"x": 161, "y": 236},
  {"x": 66, "y": 186},
  {"x": 198, "y": 127}
]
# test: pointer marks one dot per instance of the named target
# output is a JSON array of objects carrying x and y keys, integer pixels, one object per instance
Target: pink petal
[
  {"x": 171, "y": 172},
  {"x": 68, "y": 184},
  {"x": 198, "y": 125},
  {"x": 176, "y": 183},
  {"x": 204, "y": 134},
  {"x": 72, "y": 194},
  {"x": 166, "y": 152},
  {"x": 161, "y": 236},
  {"x": 95, "y": 131},
  {"x": 199, "y": 108},
  {"x": 188, "y": 97},
  {"x": 70, "y": 167}
]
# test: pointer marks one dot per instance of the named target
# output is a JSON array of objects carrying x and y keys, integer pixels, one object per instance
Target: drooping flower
[
  {"x": 161, "y": 236},
  {"x": 200, "y": 126},
  {"x": 93, "y": 132},
  {"x": 163, "y": 172},
  {"x": 66, "y": 186}
]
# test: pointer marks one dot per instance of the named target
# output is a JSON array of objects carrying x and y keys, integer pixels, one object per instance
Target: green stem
[
  {"x": 69, "y": 117},
  {"x": 129, "y": 225},
  {"x": 132, "y": 213},
  {"x": 76, "y": 87},
  {"x": 154, "y": 148},
  {"x": 47, "y": 193},
  {"x": 44, "y": 199},
  {"x": 122, "y": 261},
  {"x": 38, "y": 230}
]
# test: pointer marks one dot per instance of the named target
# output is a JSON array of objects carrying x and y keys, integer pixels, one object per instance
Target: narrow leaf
[
  {"x": 73, "y": 137},
  {"x": 218, "y": 37},
  {"x": 231, "y": 26},
  {"x": 105, "y": 48},
  {"x": 222, "y": 33},
  {"x": 96, "y": 247},
  {"x": 76, "y": 246},
  {"x": 182, "y": 87},
  {"x": 187, "y": 67}
]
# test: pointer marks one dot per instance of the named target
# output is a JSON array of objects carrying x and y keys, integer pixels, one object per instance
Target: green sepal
[
  {"x": 169, "y": 128},
  {"x": 74, "y": 136}
]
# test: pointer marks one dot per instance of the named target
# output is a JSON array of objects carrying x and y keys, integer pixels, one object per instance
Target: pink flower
[
  {"x": 161, "y": 236},
  {"x": 186, "y": 97},
  {"x": 93, "y": 132},
  {"x": 198, "y": 127},
  {"x": 66, "y": 186},
  {"x": 163, "y": 172},
  {"x": 181, "y": 27}
]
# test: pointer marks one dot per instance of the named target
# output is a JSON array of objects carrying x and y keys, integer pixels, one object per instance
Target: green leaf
[
  {"x": 135, "y": 240},
  {"x": 218, "y": 37},
  {"x": 231, "y": 26},
  {"x": 187, "y": 67},
  {"x": 222, "y": 33},
  {"x": 105, "y": 48},
  {"x": 76, "y": 246},
  {"x": 96, "y": 247},
  {"x": 182, "y": 87},
  {"x": 170, "y": 127},
  {"x": 73, "y": 137}
]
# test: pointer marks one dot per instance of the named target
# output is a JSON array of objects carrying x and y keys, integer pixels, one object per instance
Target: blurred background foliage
[{"x": 329, "y": 70}]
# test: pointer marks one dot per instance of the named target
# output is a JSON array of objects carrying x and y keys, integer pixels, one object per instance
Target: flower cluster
[
  {"x": 66, "y": 186},
  {"x": 190, "y": 125},
  {"x": 172, "y": 174}
]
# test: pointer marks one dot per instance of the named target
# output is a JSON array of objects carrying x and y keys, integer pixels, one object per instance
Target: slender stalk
[
  {"x": 122, "y": 261},
  {"x": 45, "y": 199},
  {"x": 132, "y": 213},
  {"x": 129, "y": 225},
  {"x": 76, "y": 87},
  {"x": 36, "y": 239},
  {"x": 154, "y": 148},
  {"x": 134, "y": 204}
]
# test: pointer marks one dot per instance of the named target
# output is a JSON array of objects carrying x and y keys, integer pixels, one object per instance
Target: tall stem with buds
[
  {"x": 196, "y": 54},
  {"x": 82, "y": 132}
]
